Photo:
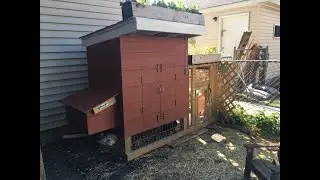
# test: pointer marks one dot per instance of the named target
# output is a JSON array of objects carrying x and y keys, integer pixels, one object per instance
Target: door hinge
[
  {"x": 163, "y": 115},
  {"x": 186, "y": 70},
  {"x": 157, "y": 117}
]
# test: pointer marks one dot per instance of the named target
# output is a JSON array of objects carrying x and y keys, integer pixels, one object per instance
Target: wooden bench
[{"x": 263, "y": 169}]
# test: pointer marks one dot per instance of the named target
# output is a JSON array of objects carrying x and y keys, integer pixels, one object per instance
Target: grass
[{"x": 275, "y": 103}]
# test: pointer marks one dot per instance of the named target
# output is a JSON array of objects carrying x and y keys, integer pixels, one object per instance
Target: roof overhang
[
  {"x": 139, "y": 25},
  {"x": 238, "y": 5}
]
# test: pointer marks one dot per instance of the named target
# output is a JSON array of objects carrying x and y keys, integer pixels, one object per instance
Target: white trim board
[{"x": 137, "y": 24}]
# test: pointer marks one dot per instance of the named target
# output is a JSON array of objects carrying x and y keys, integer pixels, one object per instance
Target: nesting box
[
  {"x": 145, "y": 61},
  {"x": 91, "y": 111}
]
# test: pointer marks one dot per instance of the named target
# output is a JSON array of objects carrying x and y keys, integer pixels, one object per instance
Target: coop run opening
[{"x": 147, "y": 137}]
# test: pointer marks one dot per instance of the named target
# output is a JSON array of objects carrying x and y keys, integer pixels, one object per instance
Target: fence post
[
  {"x": 214, "y": 87},
  {"x": 193, "y": 98}
]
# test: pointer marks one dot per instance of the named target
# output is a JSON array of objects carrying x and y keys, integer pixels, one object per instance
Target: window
[{"x": 276, "y": 31}]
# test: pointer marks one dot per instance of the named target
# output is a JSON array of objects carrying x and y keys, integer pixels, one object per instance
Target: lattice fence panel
[{"x": 253, "y": 84}]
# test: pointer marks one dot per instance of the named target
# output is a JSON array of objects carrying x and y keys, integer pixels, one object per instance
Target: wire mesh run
[
  {"x": 147, "y": 137},
  {"x": 252, "y": 84},
  {"x": 199, "y": 94}
]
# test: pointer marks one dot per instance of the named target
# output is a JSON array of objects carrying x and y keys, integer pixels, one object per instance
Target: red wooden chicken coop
[{"x": 145, "y": 61}]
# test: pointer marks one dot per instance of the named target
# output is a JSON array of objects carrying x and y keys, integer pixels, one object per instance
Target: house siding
[
  {"x": 63, "y": 63},
  {"x": 269, "y": 15},
  {"x": 211, "y": 36}
]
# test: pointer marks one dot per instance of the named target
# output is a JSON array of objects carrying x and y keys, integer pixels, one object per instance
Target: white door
[{"x": 232, "y": 28}]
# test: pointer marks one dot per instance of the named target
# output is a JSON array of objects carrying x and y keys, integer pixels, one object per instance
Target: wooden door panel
[
  {"x": 131, "y": 78},
  {"x": 169, "y": 116},
  {"x": 150, "y": 111},
  {"x": 182, "y": 98},
  {"x": 177, "y": 58},
  {"x": 150, "y": 60},
  {"x": 166, "y": 72},
  {"x": 151, "y": 104},
  {"x": 140, "y": 60},
  {"x": 151, "y": 92},
  {"x": 150, "y": 75},
  {"x": 179, "y": 72},
  {"x": 167, "y": 96},
  {"x": 132, "y": 94},
  {"x": 151, "y": 120}
]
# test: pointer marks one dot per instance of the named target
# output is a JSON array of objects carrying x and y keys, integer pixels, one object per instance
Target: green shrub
[
  {"x": 177, "y": 5},
  {"x": 259, "y": 123},
  {"x": 194, "y": 49},
  {"x": 144, "y": 2}
]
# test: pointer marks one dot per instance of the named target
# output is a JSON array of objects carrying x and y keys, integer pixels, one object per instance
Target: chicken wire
[
  {"x": 199, "y": 94},
  {"x": 147, "y": 137},
  {"x": 252, "y": 84}
]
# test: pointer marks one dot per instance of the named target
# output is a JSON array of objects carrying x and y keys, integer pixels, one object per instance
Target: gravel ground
[{"x": 198, "y": 159}]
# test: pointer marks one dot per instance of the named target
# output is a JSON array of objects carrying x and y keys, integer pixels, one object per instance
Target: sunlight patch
[{"x": 201, "y": 140}]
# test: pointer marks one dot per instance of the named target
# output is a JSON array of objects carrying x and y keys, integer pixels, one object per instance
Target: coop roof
[
  {"x": 139, "y": 25},
  {"x": 86, "y": 99}
]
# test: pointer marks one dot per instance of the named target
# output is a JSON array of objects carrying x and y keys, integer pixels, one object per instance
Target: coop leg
[{"x": 127, "y": 146}]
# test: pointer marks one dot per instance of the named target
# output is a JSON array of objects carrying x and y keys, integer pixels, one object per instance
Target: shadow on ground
[{"x": 199, "y": 158}]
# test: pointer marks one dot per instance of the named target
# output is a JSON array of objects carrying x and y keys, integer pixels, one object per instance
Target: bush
[
  {"x": 194, "y": 49},
  {"x": 177, "y": 5},
  {"x": 259, "y": 123}
]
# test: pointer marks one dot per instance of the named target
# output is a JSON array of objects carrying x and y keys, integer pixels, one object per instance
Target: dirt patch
[{"x": 195, "y": 159}]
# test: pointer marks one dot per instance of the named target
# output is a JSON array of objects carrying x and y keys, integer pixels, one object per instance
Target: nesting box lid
[
  {"x": 87, "y": 99},
  {"x": 143, "y": 26}
]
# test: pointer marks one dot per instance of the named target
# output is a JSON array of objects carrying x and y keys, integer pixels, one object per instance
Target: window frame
[{"x": 274, "y": 31}]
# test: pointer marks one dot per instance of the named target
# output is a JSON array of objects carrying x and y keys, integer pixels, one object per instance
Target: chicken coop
[{"x": 142, "y": 63}]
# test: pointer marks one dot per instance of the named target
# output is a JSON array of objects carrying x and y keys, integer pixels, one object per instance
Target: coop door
[{"x": 202, "y": 94}]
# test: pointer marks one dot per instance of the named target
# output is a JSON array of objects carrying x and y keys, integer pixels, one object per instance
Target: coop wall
[
  {"x": 149, "y": 64},
  {"x": 104, "y": 65}
]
